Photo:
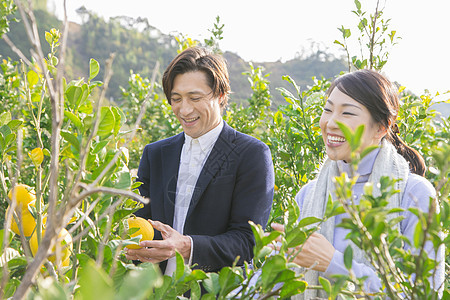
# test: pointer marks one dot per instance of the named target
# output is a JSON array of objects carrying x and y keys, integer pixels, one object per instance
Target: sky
[{"x": 268, "y": 30}]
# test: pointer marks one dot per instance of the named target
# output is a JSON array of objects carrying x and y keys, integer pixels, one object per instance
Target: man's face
[{"x": 194, "y": 105}]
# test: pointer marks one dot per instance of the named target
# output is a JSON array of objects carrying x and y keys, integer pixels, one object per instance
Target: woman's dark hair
[
  {"x": 199, "y": 59},
  {"x": 380, "y": 96}
]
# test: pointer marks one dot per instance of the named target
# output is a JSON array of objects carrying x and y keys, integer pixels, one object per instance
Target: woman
[{"x": 362, "y": 97}]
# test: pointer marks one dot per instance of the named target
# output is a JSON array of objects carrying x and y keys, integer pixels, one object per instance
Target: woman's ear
[{"x": 382, "y": 131}]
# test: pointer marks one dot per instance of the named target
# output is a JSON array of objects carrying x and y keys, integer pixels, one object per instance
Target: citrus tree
[{"x": 68, "y": 195}]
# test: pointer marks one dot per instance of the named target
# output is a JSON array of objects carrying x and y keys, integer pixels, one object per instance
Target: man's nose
[{"x": 185, "y": 107}]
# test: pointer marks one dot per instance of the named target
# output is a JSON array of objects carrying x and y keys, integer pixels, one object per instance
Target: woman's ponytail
[{"x": 416, "y": 161}]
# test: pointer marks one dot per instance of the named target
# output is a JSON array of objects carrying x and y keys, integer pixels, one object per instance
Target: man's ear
[{"x": 222, "y": 100}]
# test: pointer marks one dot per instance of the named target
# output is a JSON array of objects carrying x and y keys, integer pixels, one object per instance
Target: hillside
[{"x": 138, "y": 45}]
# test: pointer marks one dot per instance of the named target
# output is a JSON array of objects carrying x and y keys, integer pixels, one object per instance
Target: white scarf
[{"x": 388, "y": 163}]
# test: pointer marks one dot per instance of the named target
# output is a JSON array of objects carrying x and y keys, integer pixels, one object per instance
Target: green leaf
[
  {"x": 348, "y": 257},
  {"x": 228, "y": 280},
  {"x": 325, "y": 284},
  {"x": 196, "y": 291},
  {"x": 8, "y": 254},
  {"x": 293, "y": 287},
  {"x": 73, "y": 95},
  {"x": 10, "y": 138},
  {"x": 95, "y": 283},
  {"x": 293, "y": 212},
  {"x": 120, "y": 119},
  {"x": 179, "y": 272},
  {"x": 346, "y": 33},
  {"x": 367, "y": 151},
  {"x": 5, "y": 130},
  {"x": 74, "y": 119},
  {"x": 278, "y": 118},
  {"x": 5, "y": 118},
  {"x": 295, "y": 238},
  {"x": 308, "y": 221},
  {"x": 11, "y": 288},
  {"x": 17, "y": 263},
  {"x": 209, "y": 297},
  {"x": 124, "y": 181},
  {"x": 99, "y": 146},
  {"x": 72, "y": 139},
  {"x": 50, "y": 289},
  {"x": 211, "y": 284},
  {"x": 107, "y": 122},
  {"x": 258, "y": 233},
  {"x": 267, "y": 239},
  {"x": 285, "y": 275},
  {"x": 271, "y": 269},
  {"x": 348, "y": 134},
  {"x": 338, "y": 43},
  {"x": 329, "y": 207},
  {"x": 162, "y": 290},
  {"x": 418, "y": 235},
  {"x": 94, "y": 68},
  {"x": 195, "y": 275},
  {"x": 358, "y": 134},
  {"x": 14, "y": 124},
  {"x": 139, "y": 283},
  {"x": 32, "y": 78},
  {"x": 2, "y": 143},
  {"x": 48, "y": 37}
]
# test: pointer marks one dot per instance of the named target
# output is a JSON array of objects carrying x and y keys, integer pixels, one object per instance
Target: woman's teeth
[{"x": 335, "y": 139}]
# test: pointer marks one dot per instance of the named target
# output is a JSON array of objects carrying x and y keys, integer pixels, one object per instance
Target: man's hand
[
  {"x": 160, "y": 250},
  {"x": 317, "y": 251}
]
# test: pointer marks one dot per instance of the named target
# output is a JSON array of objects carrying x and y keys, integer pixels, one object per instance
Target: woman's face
[{"x": 342, "y": 108}]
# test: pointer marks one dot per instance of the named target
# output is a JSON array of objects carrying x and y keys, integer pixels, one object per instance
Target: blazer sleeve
[
  {"x": 143, "y": 176},
  {"x": 251, "y": 199}
]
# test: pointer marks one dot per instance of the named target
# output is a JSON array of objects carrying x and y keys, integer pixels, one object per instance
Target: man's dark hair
[{"x": 200, "y": 59}]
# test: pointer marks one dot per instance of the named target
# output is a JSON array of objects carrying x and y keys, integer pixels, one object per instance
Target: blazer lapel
[
  {"x": 170, "y": 157},
  {"x": 218, "y": 156}
]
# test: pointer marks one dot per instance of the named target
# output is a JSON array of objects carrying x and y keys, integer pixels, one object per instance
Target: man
[{"x": 206, "y": 183}]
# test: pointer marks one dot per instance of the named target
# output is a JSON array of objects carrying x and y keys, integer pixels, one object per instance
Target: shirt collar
[
  {"x": 365, "y": 165},
  {"x": 206, "y": 140}
]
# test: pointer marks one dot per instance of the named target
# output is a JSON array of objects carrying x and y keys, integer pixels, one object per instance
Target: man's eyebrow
[{"x": 195, "y": 92}]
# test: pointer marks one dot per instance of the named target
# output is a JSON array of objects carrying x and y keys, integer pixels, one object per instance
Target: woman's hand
[{"x": 317, "y": 251}]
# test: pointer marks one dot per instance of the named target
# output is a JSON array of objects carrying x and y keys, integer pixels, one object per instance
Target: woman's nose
[{"x": 331, "y": 122}]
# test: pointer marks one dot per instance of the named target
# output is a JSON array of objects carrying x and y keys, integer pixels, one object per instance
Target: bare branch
[
  {"x": 90, "y": 190},
  {"x": 112, "y": 207},
  {"x": 17, "y": 50}
]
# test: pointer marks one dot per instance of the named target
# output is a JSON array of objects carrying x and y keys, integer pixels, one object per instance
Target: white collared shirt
[{"x": 194, "y": 154}]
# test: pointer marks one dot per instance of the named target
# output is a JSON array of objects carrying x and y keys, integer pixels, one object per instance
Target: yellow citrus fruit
[
  {"x": 66, "y": 245},
  {"x": 24, "y": 195},
  {"x": 28, "y": 222},
  {"x": 145, "y": 228},
  {"x": 66, "y": 263}
]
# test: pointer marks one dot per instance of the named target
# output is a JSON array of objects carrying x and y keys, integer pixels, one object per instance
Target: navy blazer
[{"x": 236, "y": 185}]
